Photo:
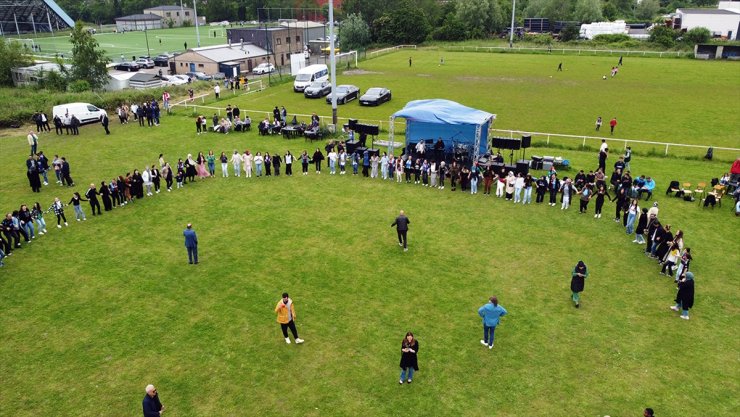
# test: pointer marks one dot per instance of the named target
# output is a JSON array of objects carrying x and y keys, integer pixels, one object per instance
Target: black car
[
  {"x": 162, "y": 60},
  {"x": 127, "y": 66},
  {"x": 375, "y": 96},
  {"x": 345, "y": 93},
  {"x": 317, "y": 89}
]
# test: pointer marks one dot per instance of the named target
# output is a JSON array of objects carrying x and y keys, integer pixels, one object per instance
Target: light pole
[
  {"x": 511, "y": 34},
  {"x": 197, "y": 32},
  {"x": 333, "y": 63},
  {"x": 146, "y": 36}
]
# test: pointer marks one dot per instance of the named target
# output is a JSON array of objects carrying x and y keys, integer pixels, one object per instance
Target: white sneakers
[
  {"x": 287, "y": 340},
  {"x": 299, "y": 340},
  {"x": 674, "y": 308},
  {"x": 685, "y": 317},
  {"x": 59, "y": 226},
  {"x": 483, "y": 342}
]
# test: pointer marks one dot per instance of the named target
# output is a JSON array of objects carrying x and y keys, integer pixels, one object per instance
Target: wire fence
[{"x": 570, "y": 51}]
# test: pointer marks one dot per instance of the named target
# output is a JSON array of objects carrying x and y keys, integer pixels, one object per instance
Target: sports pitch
[{"x": 94, "y": 312}]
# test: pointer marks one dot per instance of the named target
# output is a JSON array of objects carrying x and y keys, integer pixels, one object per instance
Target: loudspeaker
[
  {"x": 375, "y": 152},
  {"x": 526, "y": 141},
  {"x": 498, "y": 143},
  {"x": 522, "y": 166},
  {"x": 515, "y": 144},
  {"x": 360, "y": 150},
  {"x": 506, "y": 143},
  {"x": 353, "y": 124},
  {"x": 351, "y": 146}
]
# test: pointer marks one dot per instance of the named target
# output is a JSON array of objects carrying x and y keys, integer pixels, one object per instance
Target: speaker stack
[{"x": 506, "y": 143}]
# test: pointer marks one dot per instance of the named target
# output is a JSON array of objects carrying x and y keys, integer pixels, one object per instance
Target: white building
[
  {"x": 588, "y": 31},
  {"x": 720, "y": 22}
]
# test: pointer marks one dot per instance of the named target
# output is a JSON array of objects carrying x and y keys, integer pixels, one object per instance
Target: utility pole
[
  {"x": 511, "y": 33},
  {"x": 333, "y": 62},
  {"x": 197, "y": 32}
]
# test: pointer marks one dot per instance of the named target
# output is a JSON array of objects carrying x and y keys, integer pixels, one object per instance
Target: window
[
  {"x": 168, "y": 14},
  {"x": 201, "y": 65},
  {"x": 177, "y": 14},
  {"x": 297, "y": 39},
  {"x": 287, "y": 39},
  {"x": 187, "y": 13},
  {"x": 277, "y": 41},
  {"x": 181, "y": 64}
]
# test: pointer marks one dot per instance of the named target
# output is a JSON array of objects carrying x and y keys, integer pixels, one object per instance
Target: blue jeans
[
  {"x": 332, "y": 166},
  {"x": 684, "y": 313},
  {"x": 631, "y": 222},
  {"x": 527, "y": 196},
  {"x": 29, "y": 229},
  {"x": 259, "y": 169},
  {"x": 488, "y": 332},
  {"x": 79, "y": 214},
  {"x": 409, "y": 371},
  {"x": 192, "y": 254},
  {"x": 473, "y": 186},
  {"x": 517, "y": 194},
  {"x": 43, "y": 174}
]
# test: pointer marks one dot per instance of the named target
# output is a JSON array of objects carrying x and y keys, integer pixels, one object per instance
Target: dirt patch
[
  {"x": 423, "y": 75},
  {"x": 360, "y": 72}
]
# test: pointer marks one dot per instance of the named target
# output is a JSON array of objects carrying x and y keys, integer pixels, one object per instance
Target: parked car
[
  {"x": 375, "y": 96},
  {"x": 218, "y": 76},
  {"x": 145, "y": 62},
  {"x": 345, "y": 93},
  {"x": 263, "y": 68},
  {"x": 162, "y": 60},
  {"x": 127, "y": 66},
  {"x": 85, "y": 112},
  {"x": 199, "y": 75},
  {"x": 177, "y": 79},
  {"x": 317, "y": 89}
]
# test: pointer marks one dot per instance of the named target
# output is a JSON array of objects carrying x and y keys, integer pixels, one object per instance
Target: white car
[
  {"x": 263, "y": 68},
  {"x": 145, "y": 62},
  {"x": 177, "y": 79}
]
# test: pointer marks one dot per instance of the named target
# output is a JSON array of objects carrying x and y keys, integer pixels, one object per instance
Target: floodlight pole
[
  {"x": 511, "y": 32},
  {"x": 146, "y": 36},
  {"x": 197, "y": 32},
  {"x": 48, "y": 19},
  {"x": 333, "y": 62}
]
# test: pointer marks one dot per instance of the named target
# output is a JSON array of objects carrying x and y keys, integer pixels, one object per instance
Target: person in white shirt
[
  {"x": 420, "y": 147},
  {"x": 217, "y": 91},
  {"x": 518, "y": 186},
  {"x": 146, "y": 177},
  {"x": 247, "y": 159},
  {"x": 604, "y": 146},
  {"x": 332, "y": 162},
  {"x": 236, "y": 162}
]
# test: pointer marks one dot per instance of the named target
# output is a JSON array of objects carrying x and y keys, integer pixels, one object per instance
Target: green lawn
[{"x": 94, "y": 312}]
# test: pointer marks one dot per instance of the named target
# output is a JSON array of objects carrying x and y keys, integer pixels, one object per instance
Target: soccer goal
[
  {"x": 216, "y": 32},
  {"x": 27, "y": 44}
]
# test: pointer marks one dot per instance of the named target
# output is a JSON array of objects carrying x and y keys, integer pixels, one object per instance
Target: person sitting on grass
[{"x": 647, "y": 187}]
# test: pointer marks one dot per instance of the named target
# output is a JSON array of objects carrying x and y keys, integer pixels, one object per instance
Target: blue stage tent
[{"x": 458, "y": 126}]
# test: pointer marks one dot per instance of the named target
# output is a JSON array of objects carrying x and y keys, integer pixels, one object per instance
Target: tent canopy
[{"x": 455, "y": 124}]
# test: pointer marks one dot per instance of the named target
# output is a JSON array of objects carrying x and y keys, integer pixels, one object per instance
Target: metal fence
[
  {"x": 570, "y": 51},
  {"x": 377, "y": 53}
]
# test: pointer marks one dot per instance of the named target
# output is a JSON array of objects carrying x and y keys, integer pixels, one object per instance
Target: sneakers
[
  {"x": 596, "y": 216},
  {"x": 483, "y": 342},
  {"x": 408, "y": 381},
  {"x": 685, "y": 317},
  {"x": 298, "y": 340},
  {"x": 400, "y": 381},
  {"x": 634, "y": 241},
  {"x": 60, "y": 226},
  {"x": 287, "y": 340},
  {"x": 490, "y": 347},
  {"x": 405, "y": 249},
  {"x": 400, "y": 244},
  {"x": 674, "y": 308}
]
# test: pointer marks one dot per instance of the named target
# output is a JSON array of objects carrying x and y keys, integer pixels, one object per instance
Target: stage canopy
[
  {"x": 32, "y": 16},
  {"x": 458, "y": 126}
]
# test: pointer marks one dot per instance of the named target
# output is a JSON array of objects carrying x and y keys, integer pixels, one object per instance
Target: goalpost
[
  {"x": 27, "y": 43},
  {"x": 216, "y": 32}
]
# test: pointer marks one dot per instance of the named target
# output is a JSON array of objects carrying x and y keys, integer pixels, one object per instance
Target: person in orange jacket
[{"x": 286, "y": 317}]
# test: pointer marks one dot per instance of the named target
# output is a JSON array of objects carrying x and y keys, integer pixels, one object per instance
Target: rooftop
[
  {"x": 707, "y": 11},
  {"x": 138, "y": 17},
  {"x": 168, "y": 8},
  {"x": 223, "y": 53}
]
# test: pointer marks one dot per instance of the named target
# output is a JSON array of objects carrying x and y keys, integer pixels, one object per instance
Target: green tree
[
  {"x": 697, "y": 35},
  {"x": 552, "y": 9},
  {"x": 570, "y": 33},
  {"x": 355, "y": 32},
  {"x": 13, "y": 56},
  {"x": 647, "y": 9},
  {"x": 451, "y": 29},
  {"x": 406, "y": 24},
  {"x": 88, "y": 61},
  {"x": 476, "y": 15},
  {"x": 664, "y": 36},
  {"x": 588, "y": 11}
]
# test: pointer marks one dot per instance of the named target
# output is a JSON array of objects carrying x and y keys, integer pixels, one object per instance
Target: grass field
[
  {"x": 134, "y": 43},
  {"x": 94, "y": 312}
]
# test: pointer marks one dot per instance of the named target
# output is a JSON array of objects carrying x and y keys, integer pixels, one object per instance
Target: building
[
  {"x": 230, "y": 59},
  {"x": 142, "y": 80},
  {"x": 32, "y": 16},
  {"x": 310, "y": 30},
  {"x": 724, "y": 23},
  {"x": 139, "y": 22},
  {"x": 180, "y": 16},
  {"x": 30, "y": 76},
  {"x": 280, "y": 42}
]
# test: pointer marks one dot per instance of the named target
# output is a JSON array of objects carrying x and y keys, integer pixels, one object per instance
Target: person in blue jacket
[
  {"x": 191, "y": 243},
  {"x": 491, "y": 314},
  {"x": 151, "y": 405}
]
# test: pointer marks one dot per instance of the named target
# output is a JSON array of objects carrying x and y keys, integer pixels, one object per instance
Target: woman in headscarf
[
  {"x": 685, "y": 295},
  {"x": 578, "y": 281}
]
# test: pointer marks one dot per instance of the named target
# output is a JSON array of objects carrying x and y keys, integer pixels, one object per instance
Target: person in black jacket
[
  {"x": 409, "y": 363},
  {"x": 92, "y": 196},
  {"x": 75, "y": 125},
  {"x": 104, "y": 121},
  {"x": 151, "y": 404},
  {"x": 66, "y": 178},
  {"x": 276, "y": 161},
  {"x": 541, "y": 189},
  {"x": 402, "y": 227},
  {"x": 317, "y": 158},
  {"x": 105, "y": 193},
  {"x": 553, "y": 186},
  {"x": 685, "y": 296}
]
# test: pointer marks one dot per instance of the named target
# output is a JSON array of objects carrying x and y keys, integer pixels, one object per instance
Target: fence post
[
  {"x": 584, "y": 142},
  {"x": 548, "y": 138},
  {"x": 666, "y": 149}
]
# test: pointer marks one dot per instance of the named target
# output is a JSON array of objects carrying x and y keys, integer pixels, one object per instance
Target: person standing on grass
[
  {"x": 286, "y": 317},
  {"x": 491, "y": 314},
  {"x": 598, "y": 123},
  {"x": 92, "y": 197},
  {"x": 104, "y": 121},
  {"x": 578, "y": 281},
  {"x": 560, "y": 66},
  {"x": 191, "y": 243},
  {"x": 151, "y": 404},
  {"x": 612, "y": 125},
  {"x": 75, "y": 201},
  {"x": 409, "y": 363},
  {"x": 402, "y": 227},
  {"x": 685, "y": 295},
  {"x": 33, "y": 141},
  {"x": 217, "y": 91}
]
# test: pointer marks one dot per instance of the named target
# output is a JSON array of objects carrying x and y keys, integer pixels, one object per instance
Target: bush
[
  {"x": 538, "y": 38},
  {"x": 79, "y": 86},
  {"x": 570, "y": 32},
  {"x": 697, "y": 35},
  {"x": 663, "y": 36},
  {"x": 616, "y": 38}
]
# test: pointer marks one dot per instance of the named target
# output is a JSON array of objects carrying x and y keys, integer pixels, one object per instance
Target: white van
[
  {"x": 86, "y": 112},
  {"x": 309, "y": 74}
]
